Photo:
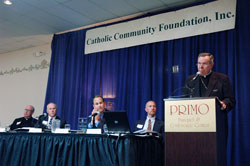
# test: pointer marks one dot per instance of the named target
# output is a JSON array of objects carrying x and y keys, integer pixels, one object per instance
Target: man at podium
[{"x": 207, "y": 83}]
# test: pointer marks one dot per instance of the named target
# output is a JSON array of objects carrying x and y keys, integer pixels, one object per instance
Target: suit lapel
[
  {"x": 197, "y": 88},
  {"x": 155, "y": 128},
  {"x": 211, "y": 84}
]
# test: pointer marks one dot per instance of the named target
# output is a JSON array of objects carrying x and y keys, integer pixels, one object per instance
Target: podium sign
[
  {"x": 190, "y": 132},
  {"x": 190, "y": 115}
]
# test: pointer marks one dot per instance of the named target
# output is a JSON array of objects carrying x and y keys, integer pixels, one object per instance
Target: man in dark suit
[
  {"x": 151, "y": 123},
  {"x": 26, "y": 121},
  {"x": 45, "y": 121},
  {"x": 207, "y": 83},
  {"x": 97, "y": 113}
]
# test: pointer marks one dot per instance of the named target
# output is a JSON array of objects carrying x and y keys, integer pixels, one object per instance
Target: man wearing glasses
[
  {"x": 207, "y": 83},
  {"x": 26, "y": 121}
]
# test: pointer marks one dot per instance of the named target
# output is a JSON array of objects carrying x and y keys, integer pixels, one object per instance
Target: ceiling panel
[
  {"x": 57, "y": 23},
  {"x": 119, "y": 7},
  {"x": 90, "y": 10},
  {"x": 21, "y": 8},
  {"x": 145, "y": 5},
  {"x": 29, "y": 23},
  {"x": 75, "y": 18},
  {"x": 41, "y": 4}
]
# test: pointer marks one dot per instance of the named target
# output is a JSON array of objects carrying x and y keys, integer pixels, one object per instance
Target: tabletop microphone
[
  {"x": 94, "y": 114},
  {"x": 39, "y": 116}
]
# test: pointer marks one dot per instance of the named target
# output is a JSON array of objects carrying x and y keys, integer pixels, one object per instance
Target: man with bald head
[
  {"x": 151, "y": 123},
  {"x": 45, "y": 122},
  {"x": 26, "y": 121}
]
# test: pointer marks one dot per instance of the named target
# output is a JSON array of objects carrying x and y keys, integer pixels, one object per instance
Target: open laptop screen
[{"x": 117, "y": 121}]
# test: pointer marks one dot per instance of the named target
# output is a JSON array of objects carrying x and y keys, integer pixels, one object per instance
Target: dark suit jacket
[
  {"x": 22, "y": 122},
  {"x": 218, "y": 86},
  {"x": 158, "y": 125},
  {"x": 45, "y": 118}
]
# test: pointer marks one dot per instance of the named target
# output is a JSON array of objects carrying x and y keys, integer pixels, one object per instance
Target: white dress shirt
[{"x": 145, "y": 127}]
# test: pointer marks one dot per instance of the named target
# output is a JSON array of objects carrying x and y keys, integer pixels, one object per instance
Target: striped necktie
[
  {"x": 149, "y": 125},
  {"x": 50, "y": 123}
]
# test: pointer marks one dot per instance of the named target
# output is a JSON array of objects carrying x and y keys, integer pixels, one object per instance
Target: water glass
[
  {"x": 82, "y": 124},
  {"x": 67, "y": 126},
  {"x": 55, "y": 125}
]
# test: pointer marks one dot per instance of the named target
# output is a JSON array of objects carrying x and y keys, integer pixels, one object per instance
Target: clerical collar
[{"x": 207, "y": 74}]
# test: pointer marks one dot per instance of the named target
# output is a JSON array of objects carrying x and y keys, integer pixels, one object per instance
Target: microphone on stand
[
  {"x": 191, "y": 89},
  {"x": 197, "y": 74},
  {"x": 40, "y": 116},
  {"x": 94, "y": 114},
  {"x": 185, "y": 88}
]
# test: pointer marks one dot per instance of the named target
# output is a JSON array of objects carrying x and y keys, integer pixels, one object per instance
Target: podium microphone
[
  {"x": 191, "y": 89},
  {"x": 197, "y": 74}
]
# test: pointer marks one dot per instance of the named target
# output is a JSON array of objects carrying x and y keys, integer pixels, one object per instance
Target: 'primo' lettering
[{"x": 188, "y": 109}]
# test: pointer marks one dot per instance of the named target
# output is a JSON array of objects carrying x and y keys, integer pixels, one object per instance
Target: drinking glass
[
  {"x": 67, "y": 126},
  {"x": 55, "y": 125},
  {"x": 82, "y": 124}
]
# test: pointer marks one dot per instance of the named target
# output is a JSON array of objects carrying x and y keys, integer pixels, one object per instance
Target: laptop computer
[{"x": 117, "y": 122}]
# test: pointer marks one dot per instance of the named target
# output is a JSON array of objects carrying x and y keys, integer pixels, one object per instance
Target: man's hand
[
  {"x": 97, "y": 117},
  {"x": 94, "y": 111},
  {"x": 223, "y": 105}
]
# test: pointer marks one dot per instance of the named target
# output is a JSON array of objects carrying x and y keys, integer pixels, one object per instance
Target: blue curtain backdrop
[{"x": 128, "y": 77}]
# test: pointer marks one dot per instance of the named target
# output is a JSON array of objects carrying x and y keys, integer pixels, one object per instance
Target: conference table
[{"x": 50, "y": 149}]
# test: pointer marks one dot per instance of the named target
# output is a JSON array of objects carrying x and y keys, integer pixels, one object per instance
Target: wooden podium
[{"x": 190, "y": 132}]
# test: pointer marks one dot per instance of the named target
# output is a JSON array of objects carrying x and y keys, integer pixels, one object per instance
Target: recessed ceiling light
[{"x": 7, "y": 2}]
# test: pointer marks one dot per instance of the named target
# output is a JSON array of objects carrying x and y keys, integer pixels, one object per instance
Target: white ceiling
[{"x": 29, "y": 23}]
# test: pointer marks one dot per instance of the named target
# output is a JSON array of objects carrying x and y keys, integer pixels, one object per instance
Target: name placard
[{"x": 190, "y": 115}]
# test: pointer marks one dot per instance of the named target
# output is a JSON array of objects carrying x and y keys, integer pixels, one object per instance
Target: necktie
[
  {"x": 149, "y": 125},
  {"x": 50, "y": 123}
]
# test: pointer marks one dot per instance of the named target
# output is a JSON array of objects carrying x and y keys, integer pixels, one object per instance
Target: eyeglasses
[
  {"x": 28, "y": 110},
  {"x": 202, "y": 64}
]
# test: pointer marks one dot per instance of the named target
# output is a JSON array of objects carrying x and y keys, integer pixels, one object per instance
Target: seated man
[
  {"x": 151, "y": 123},
  {"x": 97, "y": 119},
  {"x": 26, "y": 121},
  {"x": 45, "y": 122}
]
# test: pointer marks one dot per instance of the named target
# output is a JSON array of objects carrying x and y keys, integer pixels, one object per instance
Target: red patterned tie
[{"x": 149, "y": 125}]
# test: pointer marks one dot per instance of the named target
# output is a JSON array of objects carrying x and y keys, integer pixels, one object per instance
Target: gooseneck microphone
[
  {"x": 40, "y": 116},
  {"x": 185, "y": 88},
  {"x": 197, "y": 74},
  {"x": 191, "y": 89}
]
